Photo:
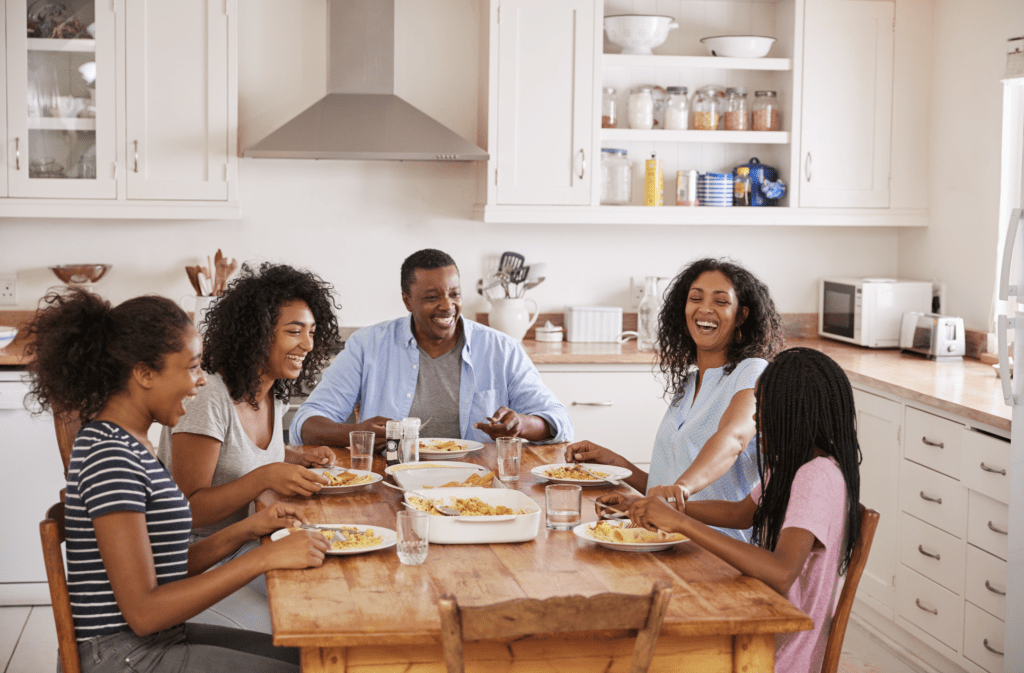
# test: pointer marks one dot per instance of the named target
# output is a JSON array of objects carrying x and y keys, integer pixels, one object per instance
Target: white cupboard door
[
  {"x": 3, "y": 108},
  {"x": 845, "y": 138},
  {"x": 878, "y": 421},
  {"x": 177, "y": 99},
  {"x": 545, "y": 102},
  {"x": 60, "y": 145}
]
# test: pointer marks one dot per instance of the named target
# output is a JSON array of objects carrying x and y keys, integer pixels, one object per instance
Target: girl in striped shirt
[{"x": 133, "y": 578}]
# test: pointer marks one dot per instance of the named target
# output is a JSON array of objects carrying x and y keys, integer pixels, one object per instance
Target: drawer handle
[
  {"x": 931, "y": 443},
  {"x": 996, "y": 530},
  {"x": 930, "y": 498},
  {"x": 994, "y": 470},
  {"x": 920, "y": 548},
  {"x": 593, "y": 404},
  {"x": 931, "y": 610},
  {"x": 990, "y": 648},
  {"x": 993, "y": 589}
]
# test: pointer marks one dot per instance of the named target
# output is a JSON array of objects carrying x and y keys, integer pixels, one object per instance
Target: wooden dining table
[{"x": 370, "y": 613}]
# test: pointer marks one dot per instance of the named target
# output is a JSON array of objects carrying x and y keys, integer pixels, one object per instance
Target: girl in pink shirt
[{"x": 805, "y": 517}]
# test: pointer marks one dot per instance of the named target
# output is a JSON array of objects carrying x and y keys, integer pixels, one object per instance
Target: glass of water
[
  {"x": 563, "y": 503},
  {"x": 510, "y": 453},
  {"x": 413, "y": 526},
  {"x": 360, "y": 444}
]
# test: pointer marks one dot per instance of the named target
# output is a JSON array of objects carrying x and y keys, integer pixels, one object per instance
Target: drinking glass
[
  {"x": 563, "y": 502},
  {"x": 510, "y": 453},
  {"x": 360, "y": 444},
  {"x": 413, "y": 526}
]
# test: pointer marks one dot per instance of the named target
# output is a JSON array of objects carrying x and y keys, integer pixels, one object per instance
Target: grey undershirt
[{"x": 437, "y": 392}]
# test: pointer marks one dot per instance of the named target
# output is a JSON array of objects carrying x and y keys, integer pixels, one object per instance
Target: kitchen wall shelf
[
  {"x": 48, "y": 44},
  {"x": 745, "y": 137},
  {"x": 709, "y": 62}
]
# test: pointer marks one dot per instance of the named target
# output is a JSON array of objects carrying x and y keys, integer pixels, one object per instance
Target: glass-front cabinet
[{"x": 60, "y": 99}]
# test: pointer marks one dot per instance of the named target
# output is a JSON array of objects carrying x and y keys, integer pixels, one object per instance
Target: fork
[
  {"x": 318, "y": 528},
  {"x": 610, "y": 480}
]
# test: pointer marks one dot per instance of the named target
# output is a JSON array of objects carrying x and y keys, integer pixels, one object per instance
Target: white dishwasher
[{"x": 31, "y": 478}]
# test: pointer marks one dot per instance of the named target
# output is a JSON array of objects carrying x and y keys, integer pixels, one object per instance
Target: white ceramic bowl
[
  {"x": 738, "y": 46},
  {"x": 638, "y": 33},
  {"x": 7, "y": 335}
]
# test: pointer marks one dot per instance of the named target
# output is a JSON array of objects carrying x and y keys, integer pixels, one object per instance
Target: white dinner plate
[
  {"x": 335, "y": 490},
  {"x": 611, "y": 470},
  {"x": 581, "y": 531},
  {"x": 451, "y": 472},
  {"x": 466, "y": 444},
  {"x": 427, "y": 464},
  {"x": 390, "y": 537}
]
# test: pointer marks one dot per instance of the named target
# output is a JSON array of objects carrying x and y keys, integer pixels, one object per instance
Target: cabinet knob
[
  {"x": 931, "y": 443},
  {"x": 994, "y": 529},
  {"x": 990, "y": 648},
  {"x": 994, "y": 470},
  {"x": 807, "y": 166},
  {"x": 593, "y": 404},
  {"x": 17, "y": 154},
  {"x": 931, "y": 610},
  {"x": 930, "y": 498},
  {"x": 993, "y": 589},
  {"x": 920, "y": 548}
]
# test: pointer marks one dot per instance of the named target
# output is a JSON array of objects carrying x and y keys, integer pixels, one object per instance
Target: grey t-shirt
[
  {"x": 437, "y": 392},
  {"x": 212, "y": 413}
]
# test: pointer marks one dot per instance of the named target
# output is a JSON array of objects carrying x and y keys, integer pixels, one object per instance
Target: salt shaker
[
  {"x": 410, "y": 440},
  {"x": 393, "y": 446}
]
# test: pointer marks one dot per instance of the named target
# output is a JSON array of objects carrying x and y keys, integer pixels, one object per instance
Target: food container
[
  {"x": 641, "y": 107},
  {"x": 616, "y": 178},
  {"x": 737, "y": 114},
  {"x": 549, "y": 333},
  {"x": 677, "y": 109},
  {"x": 609, "y": 109},
  {"x": 482, "y": 529},
  {"x": 766, "y": 111},
  {"x": 592, "y": 324},
  {"x": 707, "y": 108}
]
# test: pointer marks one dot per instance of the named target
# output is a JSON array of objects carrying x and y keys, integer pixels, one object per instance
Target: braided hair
[
  {"x": 240, "y": 328},
  {"x": 84, "y": 350},
  {"x": 760, "y": 334},
  {"x": 804, "y": 402}
]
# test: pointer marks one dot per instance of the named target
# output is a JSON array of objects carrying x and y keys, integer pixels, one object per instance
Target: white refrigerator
[{"x": 1011, "y": 324}]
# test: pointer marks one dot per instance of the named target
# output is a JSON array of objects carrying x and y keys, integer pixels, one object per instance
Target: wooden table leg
[{"x": 753, "y": 653}]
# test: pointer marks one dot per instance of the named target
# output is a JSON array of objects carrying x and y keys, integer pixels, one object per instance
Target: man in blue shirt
[{"x": 463, "y": 379}]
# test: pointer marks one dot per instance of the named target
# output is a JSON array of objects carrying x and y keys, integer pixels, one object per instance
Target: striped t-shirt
[{"x": 110, "y": 471}]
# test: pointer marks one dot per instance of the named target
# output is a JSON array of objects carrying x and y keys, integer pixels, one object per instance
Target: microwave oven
[{"x": 869, "y": 311}]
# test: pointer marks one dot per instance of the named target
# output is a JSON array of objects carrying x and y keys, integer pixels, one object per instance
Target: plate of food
[
  {"x": 427, "y": 465},
  {"x": 486, "y": 515},
  {"x": 349, "y": 538},
  {"x": 570, "y": 473},
  {"x": 344, "y": 480},
  {"x": 619, "y": 535},
  {"x": 440, "y": 448}
]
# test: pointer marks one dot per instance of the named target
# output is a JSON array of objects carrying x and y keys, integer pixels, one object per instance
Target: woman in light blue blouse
[{"x": 717, "y": 331}]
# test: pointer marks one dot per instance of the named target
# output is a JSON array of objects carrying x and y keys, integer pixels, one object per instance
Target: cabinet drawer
[
  {"x": 933, "y": 441},
  {"x": 983, "y": 639},
  {"x": 985, "y": 581},
  {"x": 987, "y": 524},
  {"x": 12, "y": 395},
  {"x": 985, "y": 464},
  {"x": 936, "y": 611},
  {"x": 934, "y": 553},
  {"x": 934, "y": 498}
]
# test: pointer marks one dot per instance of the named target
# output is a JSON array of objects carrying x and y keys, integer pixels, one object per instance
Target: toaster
[{"x": 938, "y": 337}]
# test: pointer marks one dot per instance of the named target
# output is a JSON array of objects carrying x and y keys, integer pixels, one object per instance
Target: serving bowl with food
[
  {"x": 349, "y": 538},
  {"x": 452, "y": 474},
  {"x": 622, "y": 536},
  {"x": 487, "y": 515},
  {"x": 344, "y": 480},
  {"x": 441, "y": 448},
  {"x": 571, "y": 473}
]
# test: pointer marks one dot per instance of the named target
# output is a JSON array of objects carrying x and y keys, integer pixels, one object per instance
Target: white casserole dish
[{"x": 482, "y": 529}]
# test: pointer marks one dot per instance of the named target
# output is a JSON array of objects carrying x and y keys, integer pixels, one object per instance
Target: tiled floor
[{"x": 28, "y": 644}]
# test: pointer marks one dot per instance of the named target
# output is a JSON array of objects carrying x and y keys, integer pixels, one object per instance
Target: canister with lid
[
  {"x": 707, "y": 109},
  {"x": 641, "y": 107},
  {"x": 677, "y": 109},
  {"x": 616, "y": 177},
  {"x": 609, "y": 109},
  {"x": 766, "y": 112},
  {"x": 737, "y": 114}
]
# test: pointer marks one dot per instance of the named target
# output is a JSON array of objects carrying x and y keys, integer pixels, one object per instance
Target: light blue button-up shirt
[{"x": 379, "y": 366}]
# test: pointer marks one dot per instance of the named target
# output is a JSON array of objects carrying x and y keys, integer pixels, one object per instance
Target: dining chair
[
  {"x": 51, "y": 532},
  {"x": 66, "y": 424},
  {"x": 834, "y": 646},
  {"x": 525, "y": 616}
]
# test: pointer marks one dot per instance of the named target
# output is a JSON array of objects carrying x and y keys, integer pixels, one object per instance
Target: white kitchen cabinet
[
  {"x": 3, "y": 108},
  {"x": 845, "y": 136},
  {"x": 158, "y": 142},
  {"x": 878, "y": 432},
  {"x": 544, "y": 102},
  {"x": 617, "y": 406}
]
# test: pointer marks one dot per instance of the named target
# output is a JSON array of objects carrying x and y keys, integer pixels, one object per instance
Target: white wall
[{"x": 354, "y": 222}]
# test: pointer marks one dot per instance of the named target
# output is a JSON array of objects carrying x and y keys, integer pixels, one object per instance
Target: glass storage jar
[
  {"x": 737, "y": 114},
  {"x": 707, "y": 110},
  {"x": 609, "y": 109},
  {"x": 641, "y": 107},
  {"x": 616, "y": 178},
  {"x": 766, "y": 112},
  {"x": 677, "y": 109}
]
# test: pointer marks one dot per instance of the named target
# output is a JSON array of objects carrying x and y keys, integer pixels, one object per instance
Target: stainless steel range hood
[{"x": 361, "y": 117}]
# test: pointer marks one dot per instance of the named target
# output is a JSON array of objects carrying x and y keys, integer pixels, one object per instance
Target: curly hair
[
  {"x": 804, "y": 402},
  {"x": 760, "y": 335},
  {"x": 84, "y": 350},
  {"x": 239, "y": 328},
  {"x": 428, "y": 258}
]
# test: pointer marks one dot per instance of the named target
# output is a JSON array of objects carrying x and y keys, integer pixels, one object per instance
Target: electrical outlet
[
  {"x": 8, "y": 289},
  {"x": 636, "y": 290}
]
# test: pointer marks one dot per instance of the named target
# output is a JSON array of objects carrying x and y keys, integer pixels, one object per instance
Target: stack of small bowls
[{"x": 715, "y": 189}]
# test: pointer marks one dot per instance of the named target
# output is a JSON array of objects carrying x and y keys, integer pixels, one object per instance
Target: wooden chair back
[
  {"x": 525, "y": 616},
  {"x": 51, "y": 531},
  {"x": 66, "y": 425},
  {"x": 834, "y": 646}
]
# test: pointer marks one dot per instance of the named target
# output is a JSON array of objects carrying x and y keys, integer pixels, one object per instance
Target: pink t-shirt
[{"x": 817, "y": 503}]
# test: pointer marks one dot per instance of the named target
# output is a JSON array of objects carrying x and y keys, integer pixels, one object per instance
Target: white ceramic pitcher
[{"x": 511, "y": 317}]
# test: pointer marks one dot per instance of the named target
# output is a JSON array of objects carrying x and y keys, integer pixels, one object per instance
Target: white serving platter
[
  {"x": 389, "y": 536},
  {"x": 413, "y": 480},
  {"x": 466, "y": 444},
  {"x": 482, "y": 529},
  {"x": 581, "y": 531},
  {"x": 335, "y": 490},
  {"x": 611, "y": 470}
]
